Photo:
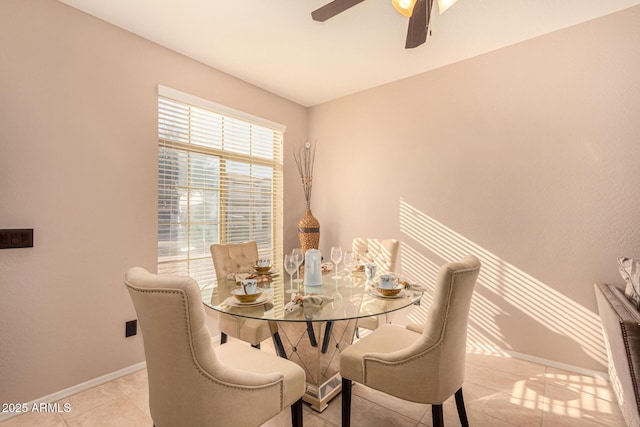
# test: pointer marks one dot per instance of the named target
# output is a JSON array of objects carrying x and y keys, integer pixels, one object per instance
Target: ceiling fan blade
[
  {"x": 330, "y": 10},
  {"x": 419, "y": 23}
]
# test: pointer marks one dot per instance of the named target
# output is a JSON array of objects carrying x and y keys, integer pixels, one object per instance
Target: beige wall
[
  {"x": 527, "y": 156},
  {"x": 78, "y": 163}
]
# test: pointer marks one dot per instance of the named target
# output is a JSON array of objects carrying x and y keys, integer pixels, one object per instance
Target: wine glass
[
  {"x": 349, "y": 263},
  {"x": 290, "y": 265},
  {"x": 336, "y": 257},
  {"x": 297, "y": 253}
]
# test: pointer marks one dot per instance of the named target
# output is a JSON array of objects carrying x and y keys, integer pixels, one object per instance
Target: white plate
[
  {"x": 273, "y": 270},
  {"x": 233, "y": 301},
  {"x": 374, "y": 292}
]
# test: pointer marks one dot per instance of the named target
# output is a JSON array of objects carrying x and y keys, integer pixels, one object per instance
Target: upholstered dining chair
[
  {"x": 381, "y": 252},
  {"x": 419, "y": 363},
  {"x": 384, "y": 254},
  {"x": 193, "y": 384},
  {"x": 235, "y": 258}
]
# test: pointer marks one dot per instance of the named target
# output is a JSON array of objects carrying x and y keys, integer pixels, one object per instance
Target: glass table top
[{"x": 350, "y": 296}]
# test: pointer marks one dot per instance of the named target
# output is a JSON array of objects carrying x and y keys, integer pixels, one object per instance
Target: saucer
[
  {"x": 236, "y": 303},
  {"x": 233, "y": 302}
]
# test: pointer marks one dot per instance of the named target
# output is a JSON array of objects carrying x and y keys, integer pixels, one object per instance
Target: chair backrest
[
  {"x": 445, "y": 331},
  {"x": 381, "y": 252},
  {"x": 234, "y": 258},
  {"x": 177, "y": 343},
  {"x": 188, "y": 384}
]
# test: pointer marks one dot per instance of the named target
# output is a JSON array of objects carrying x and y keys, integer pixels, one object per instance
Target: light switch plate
[{"x": 16, "y": 238}]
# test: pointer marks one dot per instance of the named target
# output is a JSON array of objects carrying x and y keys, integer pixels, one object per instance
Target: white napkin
[
  {"x": 239, "y": 277},
  {"x": 326, "y": 267},
  {"x": 308, "y": 301}
]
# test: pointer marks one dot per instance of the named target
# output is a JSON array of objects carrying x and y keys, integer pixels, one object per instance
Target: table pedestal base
[
  {"x": 319, "y": 397},
  {"x": 316, "y": 347}
]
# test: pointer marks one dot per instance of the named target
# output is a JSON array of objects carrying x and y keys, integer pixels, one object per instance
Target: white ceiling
[{"x": 274, "y": 44}]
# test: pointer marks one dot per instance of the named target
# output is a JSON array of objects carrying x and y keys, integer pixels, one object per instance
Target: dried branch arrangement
[{"x": 305, "y": 156}]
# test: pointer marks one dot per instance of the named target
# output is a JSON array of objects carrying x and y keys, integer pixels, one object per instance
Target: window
[{"x": 219, "y": 181}]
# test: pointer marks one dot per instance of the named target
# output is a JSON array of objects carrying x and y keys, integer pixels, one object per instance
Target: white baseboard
[
  {"x": 80, "y": 387},
  {"x": 541, "y": 361},
  {"x": 216, "y": 340},
  {"x": 90, "y": 384}
]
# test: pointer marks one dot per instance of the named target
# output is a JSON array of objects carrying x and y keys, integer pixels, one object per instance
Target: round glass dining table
[{"x": 315, "y": 323}]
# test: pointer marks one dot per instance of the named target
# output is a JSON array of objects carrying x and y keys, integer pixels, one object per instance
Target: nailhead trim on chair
[
  {"x": 205, "y": 374},
  {"x": 436, "y": 345},
  {"x": 436, "y": 408}
]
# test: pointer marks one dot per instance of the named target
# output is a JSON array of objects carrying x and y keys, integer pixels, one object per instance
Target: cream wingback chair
[
  {"x": 234, "y": 258},
  {"x": 193, "y": 384},
  {"x": 381, "y": 252},
  {"x": 419, "y": 363},
  {"x": 384, "y": 254}
]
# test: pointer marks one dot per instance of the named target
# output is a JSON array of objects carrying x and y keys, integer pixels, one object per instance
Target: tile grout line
[
  {"x": 135, "y": 405},
  {"x": 544, "y": 395},
  {"x": 394, "y": 411}
]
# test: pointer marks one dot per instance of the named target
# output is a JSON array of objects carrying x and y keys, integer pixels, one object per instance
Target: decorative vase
[{"x": 308, "y": 232}]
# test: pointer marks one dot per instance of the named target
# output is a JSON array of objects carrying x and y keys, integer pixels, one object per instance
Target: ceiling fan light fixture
[
  {"x": 405, "y": 7},
  {"x": 445, "y": 4}
]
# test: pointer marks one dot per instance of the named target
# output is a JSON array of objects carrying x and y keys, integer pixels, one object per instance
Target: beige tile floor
[{"x": 499, "y": 391}]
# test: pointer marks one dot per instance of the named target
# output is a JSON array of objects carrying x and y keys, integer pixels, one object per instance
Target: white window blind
[{"x": 219, "y": 181}]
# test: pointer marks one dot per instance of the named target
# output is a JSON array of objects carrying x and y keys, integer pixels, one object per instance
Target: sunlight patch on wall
[
  {"x": 418, "y": 269},
  {"x": 498, "y": 278}
]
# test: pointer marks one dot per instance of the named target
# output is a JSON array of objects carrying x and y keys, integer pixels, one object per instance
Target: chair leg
[
  {"x": 277, "y": 343},
  {"x": 223, "y": 338},
  {"x": 346, "y": 402},
  {"x": 436, "y": 416},
  {"x": 296, "y": 413},
  {"x": 462, "y": 413}
]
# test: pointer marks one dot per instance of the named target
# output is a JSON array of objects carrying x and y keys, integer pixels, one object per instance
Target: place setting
[
  {"x": 264, "y": 267},
  {"x": 386, "y": 286},
  {"x": 248, "y": 294},
  {"x": 263, "y": 272}
]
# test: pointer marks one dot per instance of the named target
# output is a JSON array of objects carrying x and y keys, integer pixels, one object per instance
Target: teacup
[
  {"x": 249, "y": 286},
  {"x": 263, "y": 262},
  {"x": 387, "y": 281},
  {"x": 370, "y": 271}
]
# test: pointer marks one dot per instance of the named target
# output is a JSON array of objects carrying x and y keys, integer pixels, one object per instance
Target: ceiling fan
[{"x": 418, "y": 11}]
